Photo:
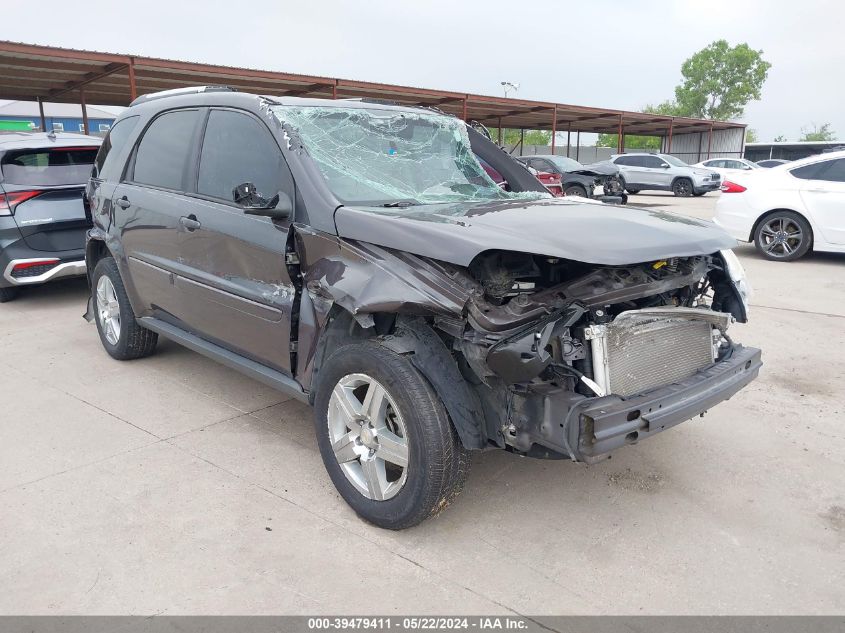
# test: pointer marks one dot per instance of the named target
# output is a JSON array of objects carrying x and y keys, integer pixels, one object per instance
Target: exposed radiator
[{"x": 644, "y": 349}]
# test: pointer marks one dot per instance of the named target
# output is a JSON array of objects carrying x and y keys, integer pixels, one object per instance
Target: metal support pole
[
  {"x": 578, "y": 145},
  {"x": 41, "y": 113},
  {"x": 334, "y": 90},
  {"x": 85, "y": 128},
  {"x": 620, "y": 142},
  {"x": 568, "y": 138},
  {"x": 133, "y": 88},
  {"x": 500, "y": 131},
  {"x": 671, "y": 127},
  {"x": 554, "y": 129},
  {"x": 709, "y": 139},
  {"x": 522, "y": 141},
  {"x": 465, "y": 109}
]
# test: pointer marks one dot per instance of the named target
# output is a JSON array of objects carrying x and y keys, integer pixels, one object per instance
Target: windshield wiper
[{"x": 398, "y": 204}]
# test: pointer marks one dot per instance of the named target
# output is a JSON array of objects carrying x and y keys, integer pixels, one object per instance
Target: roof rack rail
[
  {"x": 372, "y": 100},
  {"x": 180, "y": 91}
]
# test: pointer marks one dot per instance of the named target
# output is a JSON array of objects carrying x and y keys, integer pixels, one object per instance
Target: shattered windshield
[{"x": 370, "y": 156}]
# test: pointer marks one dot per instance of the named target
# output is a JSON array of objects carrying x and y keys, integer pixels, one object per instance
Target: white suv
[{"x": 662, "y": 172}]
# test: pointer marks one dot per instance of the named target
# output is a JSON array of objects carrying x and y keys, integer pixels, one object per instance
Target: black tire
[
  {"x": 134, "y": 341},
  {"x": 7, "y": 294},
  {"x": 682, "y": 187},
  {"x": 576, "y": 190},
  {"x": 771, "y": 236},
  {"x": 633, "y": 192},
  {"x": 437, "y": 461}
]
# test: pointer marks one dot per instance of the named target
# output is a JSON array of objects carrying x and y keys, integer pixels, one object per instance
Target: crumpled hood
[
  {"x": 597, "y": 169},
  {"x": 584, "y": 231}
]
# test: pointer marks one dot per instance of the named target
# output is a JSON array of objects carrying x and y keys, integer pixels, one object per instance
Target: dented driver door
[{"x": 234, "y": 283}]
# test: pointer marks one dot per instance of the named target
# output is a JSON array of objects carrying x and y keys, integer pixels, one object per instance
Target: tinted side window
[
  {"x": 836, "y": 171},
  {"x": 651, "y": 161},
  {"x": 830, "y": 170},
  {"x": 114, "y": 142},
  {"x": 162, "y": 155},
  {"x": 624, "y": 160},
  {"x": 237, "y": 149},
  {"x": 810, "y": 172}
]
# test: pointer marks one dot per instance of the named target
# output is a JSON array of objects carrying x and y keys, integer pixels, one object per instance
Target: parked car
[
  {"x": 423, "y": 311},
  {"x": 42, "y": 220},
  {"x": 580, "y": 180},
  {"x": 771, "y": 162},
  {"x": 726, "y": 167},
  {"x": 788, "y": 210},
  {"x": 552, "y": 182},
  {"x": 663, "y": 172}
]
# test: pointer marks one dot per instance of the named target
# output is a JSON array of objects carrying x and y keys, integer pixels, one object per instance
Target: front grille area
[
  {"x": 643, "y": 352},
  {"x": 32, "y": 271}
]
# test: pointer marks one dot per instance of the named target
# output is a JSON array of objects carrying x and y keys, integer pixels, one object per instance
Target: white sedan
[
  {"x": 788, "y": 210},
  {"x": 727, "y": 167}
]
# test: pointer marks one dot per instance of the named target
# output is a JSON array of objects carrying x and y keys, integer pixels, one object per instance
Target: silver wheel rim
[
  {"x": 781, "y": 237},
  {"x": 369, "y": 437},
  {"x": 108, "y": 310}
]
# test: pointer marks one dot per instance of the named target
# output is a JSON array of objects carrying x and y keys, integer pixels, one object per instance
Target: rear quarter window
[
  {"x": 104, "y": 165},
  {"x": 48, "y": 166}
]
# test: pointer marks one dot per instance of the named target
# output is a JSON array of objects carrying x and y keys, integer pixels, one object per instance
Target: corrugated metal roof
[{"x": 59, "y": 74}]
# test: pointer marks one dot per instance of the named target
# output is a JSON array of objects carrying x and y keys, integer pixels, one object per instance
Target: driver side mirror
[
  {"x": 664, "y": 165},
  {"x": 278, "y": 207}
]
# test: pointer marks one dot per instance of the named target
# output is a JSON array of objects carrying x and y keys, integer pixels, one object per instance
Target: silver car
[{"x": 663, "y": 172}]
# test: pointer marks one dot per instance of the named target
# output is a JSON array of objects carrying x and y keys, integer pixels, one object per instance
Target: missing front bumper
[{"x": 587, "y": 429}]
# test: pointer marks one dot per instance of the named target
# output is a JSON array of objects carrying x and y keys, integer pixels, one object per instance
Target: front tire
[
  {"x": 682, "y": 187},
  {"x": 783, "y": 236},
  {"x": 633, "y": 192},
  {"x": 120, "y": 333},
  {"x": 385, "y": 437},
  {"x": 575, "y": 190}
]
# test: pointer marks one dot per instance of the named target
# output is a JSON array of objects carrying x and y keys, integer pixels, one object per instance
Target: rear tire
[
  {"x": 355, "y": 435},
  {"x": 120, "y": 333},
  {"x": 783, "y": 236},
  {"x": 682, "y": 187},
  {"x": 575, "y": 190},
  {"x": 7, "y": 294}
]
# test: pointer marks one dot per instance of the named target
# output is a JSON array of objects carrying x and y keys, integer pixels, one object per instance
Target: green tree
[
  {"x": 817, "y": 134},
  {"x": 780, "y": 138},
  {"x": 640, "y": 142},
  {"x": 511, "y": 137},
  {"x": 750, "y": 135},
  {"x": 720, "y": 80}
]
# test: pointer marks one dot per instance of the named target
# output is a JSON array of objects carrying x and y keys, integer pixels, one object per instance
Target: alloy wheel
[
  {"x": 369, "y": 437},
  {"x": 108, "y": 309},
  {"x": 683, "y": 188},
  {"x": 781, "y": 236}
]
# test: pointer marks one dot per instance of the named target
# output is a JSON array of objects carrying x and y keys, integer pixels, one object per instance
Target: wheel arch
[
  {"x": 414, "y": 338},
  {"x": 771, "y": 212}
]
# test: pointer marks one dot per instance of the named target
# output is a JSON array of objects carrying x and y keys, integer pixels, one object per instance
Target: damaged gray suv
[{"x": 357, "y": 256}]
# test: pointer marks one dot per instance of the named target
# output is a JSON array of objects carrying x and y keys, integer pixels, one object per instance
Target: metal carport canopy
[{"x": 44, "y": 73}]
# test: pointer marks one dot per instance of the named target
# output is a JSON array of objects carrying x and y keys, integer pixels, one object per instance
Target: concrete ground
[{"x": 174, "y": 485}]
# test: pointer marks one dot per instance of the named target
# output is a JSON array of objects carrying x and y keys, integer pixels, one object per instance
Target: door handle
[
  {"x": 123, "y": 202},
  {"x": 190, "y": 222}
]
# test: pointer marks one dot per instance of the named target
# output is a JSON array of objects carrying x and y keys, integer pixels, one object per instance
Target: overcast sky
[{"x": 618, "y": 54}]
